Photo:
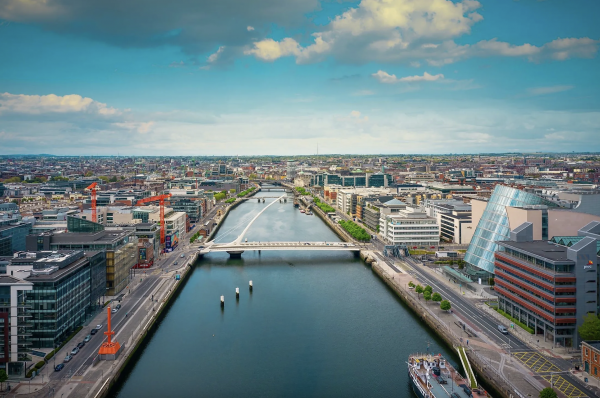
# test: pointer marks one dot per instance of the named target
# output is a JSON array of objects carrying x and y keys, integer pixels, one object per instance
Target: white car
[{"x": 98, "y": 327}]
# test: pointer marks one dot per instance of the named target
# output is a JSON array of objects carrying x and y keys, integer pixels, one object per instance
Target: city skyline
[{"x": 281, "y": 77}]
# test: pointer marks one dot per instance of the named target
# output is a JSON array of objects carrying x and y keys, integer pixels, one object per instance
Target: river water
[{"x": 317, "y": 324}]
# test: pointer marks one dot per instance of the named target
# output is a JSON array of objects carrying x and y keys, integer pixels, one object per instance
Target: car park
[
  {"x": 80, "y": 345},
  {"x": 59, "y": 367},
  {"x": 68, "y": 358},
  {"x": 87, "y": 338},
  {"x": 74, "y": 351}
]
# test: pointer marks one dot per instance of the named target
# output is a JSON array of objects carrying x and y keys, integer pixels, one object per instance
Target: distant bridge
[{"x": 237, "y": 247}]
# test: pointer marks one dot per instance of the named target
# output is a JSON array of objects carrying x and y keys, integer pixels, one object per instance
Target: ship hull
[{"x": 415, "y": 386}]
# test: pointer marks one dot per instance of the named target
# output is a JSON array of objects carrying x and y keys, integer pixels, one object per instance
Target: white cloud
[
  {"x": 548, "y": 90},
  {"x": 212, "y": 58},
  {"x": 249, "y": 28},
  {"x": 51, "y": 103},
  {"x": 408, "y": 31},
  {"x": 362, "y": 93},
  {"x": 425, "y": 78},
  {"x": 385, "y": 77}
]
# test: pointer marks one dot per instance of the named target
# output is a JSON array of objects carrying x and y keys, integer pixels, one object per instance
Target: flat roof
[
  {"x": 106, "y": 236},
  {"x": 540, "y": 248},
  {"x": 62, "y": 272}
]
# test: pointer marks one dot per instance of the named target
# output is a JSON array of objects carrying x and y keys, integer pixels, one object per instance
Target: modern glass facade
[
  {"x": 17, "y": 233},
  {"x": 494, "y": 226},
  {"x": 75, "y": 224}
]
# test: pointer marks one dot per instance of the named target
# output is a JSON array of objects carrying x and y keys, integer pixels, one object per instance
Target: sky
[{"x": 288, "y": 77}]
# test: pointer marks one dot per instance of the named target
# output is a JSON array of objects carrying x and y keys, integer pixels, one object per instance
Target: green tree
[
  {"x": 445, "y": 305},
  {"x": 491, "y": 282},
  {"x": 427, "y": 295},
  {"x": 590, "y": 328},
  {"x": 89, "y": 173},
  {"x": 411, "y": 284},
  {"x": 436, "y": 297},
  {"x": 113, "y": 179},
  {"x": 13, "y": 179},
  {"x": 252, "y": 176},
  {"x": 548, "y": 393},
  {"x": 419, "y": 290},
  {"x": 232, "y": 190},
  {"x": 428, "y": 289},
  {"x": 3, "y": 378}
]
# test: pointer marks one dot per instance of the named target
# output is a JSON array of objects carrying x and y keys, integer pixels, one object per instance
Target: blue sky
[{"x": 247, "y": 77}]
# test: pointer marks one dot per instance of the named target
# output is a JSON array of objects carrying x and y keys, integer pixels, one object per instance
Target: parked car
[
  {"x": 93, "y": 331},
  {"x": 98, "y": 327},
  {"x": 114, "y": 310},
  {"x": 118, "y": 306},
  {"x": 59, "y": 367},
  {"x": 68, "y": 358},
  {"x": 87, "y": 338},
  {"x": 80, "y": 345},
  {"x": 74, "y": 351},
  {"x": 502, "y": 329}
]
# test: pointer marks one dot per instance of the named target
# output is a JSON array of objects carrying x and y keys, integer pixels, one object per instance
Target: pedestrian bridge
[{"x": 238, "y": 246}]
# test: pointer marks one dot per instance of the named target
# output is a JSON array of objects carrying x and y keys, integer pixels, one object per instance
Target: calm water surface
[{"x": 316, "y": 325}]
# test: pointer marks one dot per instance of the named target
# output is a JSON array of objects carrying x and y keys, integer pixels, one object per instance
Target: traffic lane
[
  {"x": 91, "y": 348},
  {"x": 473, "y": 313}
]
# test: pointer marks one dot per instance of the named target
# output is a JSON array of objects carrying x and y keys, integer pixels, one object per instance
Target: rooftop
[
  {"x": 540, "y": 248},
  {"x": 107, "y": 236}
]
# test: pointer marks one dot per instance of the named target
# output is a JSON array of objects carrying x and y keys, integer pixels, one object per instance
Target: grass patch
[
  {"x": 470, "y": 374},
  {"x": 514, "y": 320}
]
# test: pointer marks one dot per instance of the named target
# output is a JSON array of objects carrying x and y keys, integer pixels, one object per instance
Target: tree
[
  {"x": 445, "y": 305},
  {"x": 411, "y": 284},
  {"x": 252, "y": 176},
  {"x": 548, "y": 393},
  {"x": 89, "y": 173},
  {"x": 491, "y": 282},
  {"x": 113, "y": 179},
  {"x": 427, "y": 295},
  {"x": 419, "y": 290},
  {"x": 3, "y": 378},
  {"x": 428, "y": 289},
  {"x": 232, "y": 190},
  {"x": 590, "y": 328},
  {"x": 436, "y": 297}
]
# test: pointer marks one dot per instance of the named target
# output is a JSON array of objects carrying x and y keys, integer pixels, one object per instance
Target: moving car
[
  {"x": 74, "y": 351},
  {"x": 114, "y": 310},
  {"x": 183, "y": 255},
  {"x": 502, "y": 329},
  {"x": 87, "y": 338},
  {"x": 59, "y": 367},
  {"x": 68, "y": 358}
]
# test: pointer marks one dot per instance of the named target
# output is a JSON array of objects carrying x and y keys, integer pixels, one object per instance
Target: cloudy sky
[{"x": 247, "y": 77}]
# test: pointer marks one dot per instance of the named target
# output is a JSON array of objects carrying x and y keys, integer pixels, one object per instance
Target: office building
[
  {"x": 13, "y": 237},
  {"x": 548, "y": 287},
  {"x": 509, "y": 207},
  {"x": 15, "y": 324},
  {"x": 119, "y": 245},
  {"x": 66, "y": 285},
  {"x": 409, "y": 227}
]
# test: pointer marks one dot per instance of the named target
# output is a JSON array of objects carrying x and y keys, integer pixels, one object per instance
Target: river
[{"x": 317, "y": 324}]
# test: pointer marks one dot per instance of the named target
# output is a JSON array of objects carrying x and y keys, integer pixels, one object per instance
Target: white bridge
[{"x": 237, "y": 247}]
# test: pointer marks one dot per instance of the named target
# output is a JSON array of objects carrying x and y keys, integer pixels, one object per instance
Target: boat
[{"x": 431, "y": 376}]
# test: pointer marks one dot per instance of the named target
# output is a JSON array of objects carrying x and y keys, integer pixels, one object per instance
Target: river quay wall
[
  {"x": 492, "y": 381},
  {"x": 123, "y": 362}
]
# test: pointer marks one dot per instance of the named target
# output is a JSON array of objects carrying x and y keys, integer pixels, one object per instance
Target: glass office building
[{"x": 494, "y": 226}]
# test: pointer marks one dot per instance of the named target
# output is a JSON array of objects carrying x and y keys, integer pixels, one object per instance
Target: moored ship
[{"x": 431, "y": 376}]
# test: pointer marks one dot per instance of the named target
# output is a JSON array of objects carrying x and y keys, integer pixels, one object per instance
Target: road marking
[
  {"x": 536, "y": 362},
  {"x": 562, "y": 385}
]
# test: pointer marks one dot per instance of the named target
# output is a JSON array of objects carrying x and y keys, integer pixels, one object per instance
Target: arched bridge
[{"x": 238, "y": 246}]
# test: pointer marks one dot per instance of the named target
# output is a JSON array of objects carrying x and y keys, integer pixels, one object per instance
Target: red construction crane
[
  {"x": 161, "y": 201},
  {"x": 93, "y": 188}
]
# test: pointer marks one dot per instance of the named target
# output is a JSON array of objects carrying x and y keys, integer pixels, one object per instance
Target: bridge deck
[{"x": 304, "y": 246}]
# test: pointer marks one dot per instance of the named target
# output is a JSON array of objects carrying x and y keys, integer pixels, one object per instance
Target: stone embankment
[{"x": 499, "y": 384}]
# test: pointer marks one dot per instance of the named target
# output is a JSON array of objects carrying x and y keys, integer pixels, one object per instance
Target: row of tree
[
  {"x": 430, "y": 295},
  {"x": 355, "y": 230}
]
